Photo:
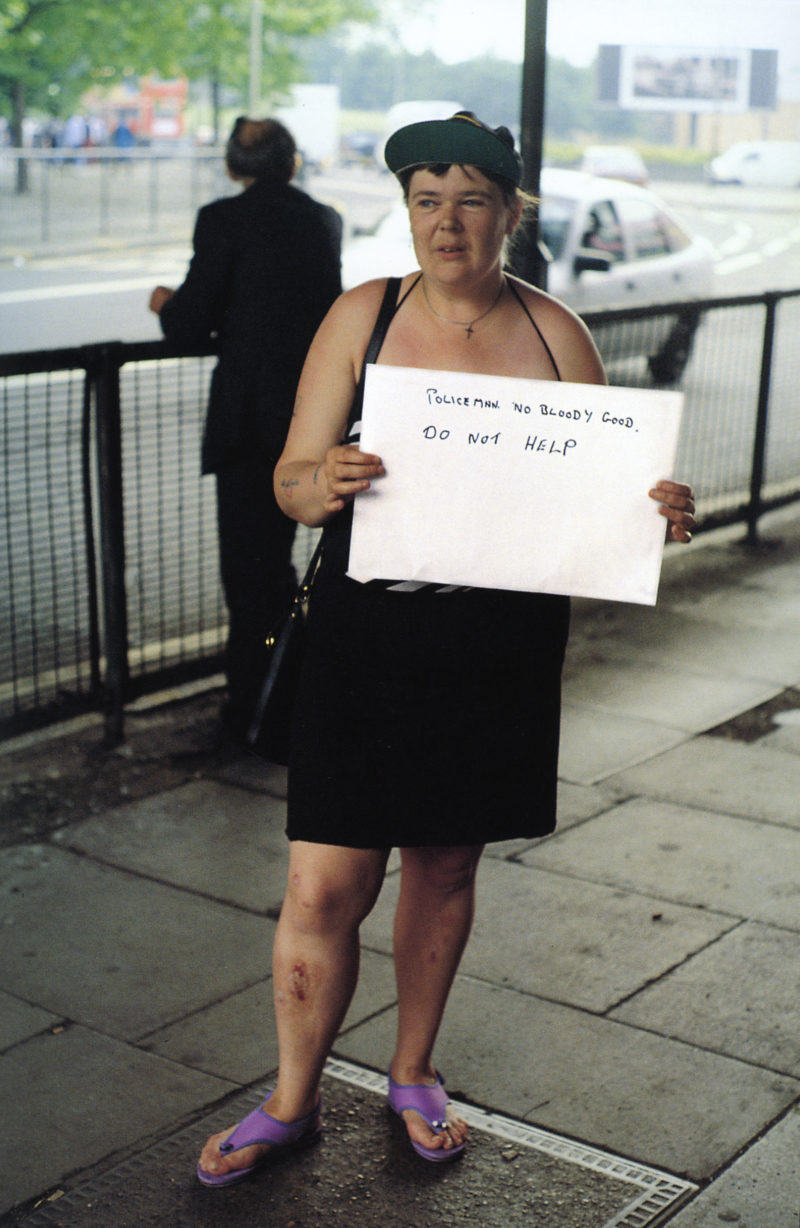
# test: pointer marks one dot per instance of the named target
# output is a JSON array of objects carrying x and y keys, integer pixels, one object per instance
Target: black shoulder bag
[{"x": 268, "y": 734}]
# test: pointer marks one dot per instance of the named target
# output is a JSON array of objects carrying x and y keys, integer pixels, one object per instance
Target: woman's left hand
[{"x": 676, "y": 502}]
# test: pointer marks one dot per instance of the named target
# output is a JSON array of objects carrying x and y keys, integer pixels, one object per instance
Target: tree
[
  {"x": 51, "y": 51},
  {"x": 216, "y": 45}
]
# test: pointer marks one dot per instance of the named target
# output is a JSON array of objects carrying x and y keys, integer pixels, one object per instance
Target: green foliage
[{"x": 52, "y": 50}]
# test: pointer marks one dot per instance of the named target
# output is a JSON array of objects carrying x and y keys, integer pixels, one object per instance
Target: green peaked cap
[{"x": 461, "y": 140}]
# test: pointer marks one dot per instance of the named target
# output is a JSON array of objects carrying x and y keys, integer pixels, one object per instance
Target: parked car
[
  {"x": 763, "y": 164},
  {"x": 358, "y": 148},
  {"x": 609, "y": 244},
  {"x": 615, "y": 162}
]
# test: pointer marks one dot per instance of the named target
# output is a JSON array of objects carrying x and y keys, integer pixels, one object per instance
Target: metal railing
[
  {"x": 110, "y": 586},
  {"x": 76, "y": 195}
]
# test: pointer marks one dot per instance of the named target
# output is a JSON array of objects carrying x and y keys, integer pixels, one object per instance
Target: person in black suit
[{"x": 266, "y": 268}]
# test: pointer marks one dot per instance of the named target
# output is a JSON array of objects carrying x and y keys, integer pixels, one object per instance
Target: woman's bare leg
[
  {"x": 432, "y": 926},
  {"x": 315, "y": 969}
]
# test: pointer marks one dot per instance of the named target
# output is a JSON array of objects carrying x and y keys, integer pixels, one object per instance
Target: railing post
[
  {"x": 762, "y": 412},
  {"x": 112, "y": 535},
  {"x": 153, "y": 160}
]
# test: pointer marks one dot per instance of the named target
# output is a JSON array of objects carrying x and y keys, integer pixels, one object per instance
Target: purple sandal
[
  {"x": 431, "y": 1104},
  {"x": 259, "y": 1127}
]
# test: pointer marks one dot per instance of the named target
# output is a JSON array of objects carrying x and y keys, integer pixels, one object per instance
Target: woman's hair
[{"x": 261, "y": 149}]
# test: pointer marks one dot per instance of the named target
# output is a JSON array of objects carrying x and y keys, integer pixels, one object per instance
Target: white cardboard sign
[{"x": 507, "y": 483}]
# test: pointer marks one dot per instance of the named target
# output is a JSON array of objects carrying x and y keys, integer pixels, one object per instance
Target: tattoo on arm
[
  {"x": 287, "y": 485},
  {"x": 316, "y": 471}
]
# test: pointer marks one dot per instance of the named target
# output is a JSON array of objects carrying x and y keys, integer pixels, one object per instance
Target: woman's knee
[
  {"x": 330, "y": 887},
  {"x": 447, "y": 870}
]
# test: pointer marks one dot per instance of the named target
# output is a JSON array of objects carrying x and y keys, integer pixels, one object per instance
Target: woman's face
[{"x": 459, "y": 223}]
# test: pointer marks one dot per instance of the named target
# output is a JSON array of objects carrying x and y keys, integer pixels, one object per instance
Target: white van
[{"x": 762, "y": 164}]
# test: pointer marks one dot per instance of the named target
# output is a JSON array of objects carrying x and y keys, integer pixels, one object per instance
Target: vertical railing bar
[
  {"x": 762, "y": 413},
  {"x": 51, "y": 532},
  {"x": 12, "y": 612},
  {"x": 44, "y": 171},
  {"x": 31, "y": 552},
  {"x": 112, "y": 536},
  {"x": 89, "y": 535}
]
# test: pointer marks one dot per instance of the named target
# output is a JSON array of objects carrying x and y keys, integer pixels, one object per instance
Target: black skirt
[{"x": 425, "y": 718}]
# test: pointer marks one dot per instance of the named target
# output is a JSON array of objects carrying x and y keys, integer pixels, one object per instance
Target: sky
[{"x": 461, "y": 29}]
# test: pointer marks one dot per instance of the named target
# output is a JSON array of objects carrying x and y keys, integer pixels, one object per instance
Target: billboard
[{"x": 650, "y": 78}]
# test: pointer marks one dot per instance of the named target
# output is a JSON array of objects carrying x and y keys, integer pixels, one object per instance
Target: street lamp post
[
  {"x": 256, "y": 49},
  {"x": 530, "y": 262}
]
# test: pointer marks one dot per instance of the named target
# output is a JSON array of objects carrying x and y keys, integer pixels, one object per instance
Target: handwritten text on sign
[{"x": 509, "y": 483}]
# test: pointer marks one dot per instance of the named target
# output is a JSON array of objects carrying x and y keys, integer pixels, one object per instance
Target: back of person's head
[{"x": 261, "y": 149}]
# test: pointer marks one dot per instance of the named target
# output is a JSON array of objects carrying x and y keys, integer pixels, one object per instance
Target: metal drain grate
[{"x": 658, "y": 1192}]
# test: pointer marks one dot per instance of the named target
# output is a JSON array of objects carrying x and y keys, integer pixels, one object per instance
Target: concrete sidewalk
[{"x": 625, "y": 1027}]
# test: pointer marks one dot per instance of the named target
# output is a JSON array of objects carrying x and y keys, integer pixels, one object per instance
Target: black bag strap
[
  {"x": 308, "y": 578},
  {"x": 389, "y": 305},
  {"x": 388, "y": 308}
]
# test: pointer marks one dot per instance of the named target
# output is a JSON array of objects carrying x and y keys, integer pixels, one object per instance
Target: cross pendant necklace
[{"x": 470, "y": 326}]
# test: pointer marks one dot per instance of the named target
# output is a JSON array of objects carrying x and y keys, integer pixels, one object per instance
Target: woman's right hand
[{"x": 345, "y": 473}]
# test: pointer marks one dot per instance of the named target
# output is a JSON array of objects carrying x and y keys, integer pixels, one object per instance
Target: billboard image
[{"x": 687, "y": 78}]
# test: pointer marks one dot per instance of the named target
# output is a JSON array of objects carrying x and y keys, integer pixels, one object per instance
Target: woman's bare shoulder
[
  {"x": 354, "y": 312},
  {"x": 565, "y": 333},
  {"x": 544, "y": 306}
]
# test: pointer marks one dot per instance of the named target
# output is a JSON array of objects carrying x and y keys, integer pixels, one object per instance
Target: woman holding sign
[{"x": 427, "y": 719}]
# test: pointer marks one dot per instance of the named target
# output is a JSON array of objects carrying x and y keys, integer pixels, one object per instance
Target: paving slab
[
  {"x": 74, "y": 1083},
  {"x": 92, "y": 943},
  {"x": 730, "y": 865},
  {"x": 777, "y": 578},
  {"x": 364, "y": 1173},
  {"x": 662, "y": 635},
  {"x": 639, "y": 1095},
  {"x": 596, "y": 745},
  {"x": 19, "y": 1020},
  {"x": 785, "y": 739},
  {"x": 749, "y": 605},
  {"x": 691, "y": 701},
  {"x": 247, "y": 771},
  {"x": 581, "y": 943},
  {"x": 237, "y": 1039},
  {"x": 758, "y": 780},
  {"x": 739, "y": 996},
  {"x": 760, "y": 1190},
  {"x": 207, "y": 837}
]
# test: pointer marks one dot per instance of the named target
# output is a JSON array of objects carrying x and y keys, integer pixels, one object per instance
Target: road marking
[
  {"x": 736, "y": 263},
  {"x": 776, "y": 247},
  {"x": 737, "y": 241},
  {"x": 42, "y": 293}
]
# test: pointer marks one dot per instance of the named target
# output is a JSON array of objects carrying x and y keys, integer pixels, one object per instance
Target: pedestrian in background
[{"x": 265, "y": 270}]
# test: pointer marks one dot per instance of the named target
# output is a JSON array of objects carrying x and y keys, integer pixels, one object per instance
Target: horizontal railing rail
[{"x": 110, "y": 584}]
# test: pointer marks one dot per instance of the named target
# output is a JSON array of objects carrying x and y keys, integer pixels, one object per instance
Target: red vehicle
[{"x": 151, "y": 109}]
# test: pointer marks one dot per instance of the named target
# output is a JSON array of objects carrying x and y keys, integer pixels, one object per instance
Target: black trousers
[{"x": 255, "y": 549}]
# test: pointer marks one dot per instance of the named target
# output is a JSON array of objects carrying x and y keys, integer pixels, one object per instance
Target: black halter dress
[{"x": 426, "y": 715}]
